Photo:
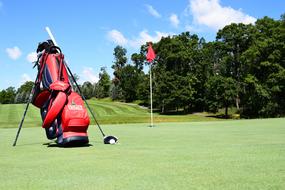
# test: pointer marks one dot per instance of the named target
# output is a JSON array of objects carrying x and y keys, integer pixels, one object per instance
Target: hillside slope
[{"x": 107, "y": 112}]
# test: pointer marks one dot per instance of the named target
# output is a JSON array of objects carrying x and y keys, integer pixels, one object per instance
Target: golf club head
[{"x": 110, "y": 140}]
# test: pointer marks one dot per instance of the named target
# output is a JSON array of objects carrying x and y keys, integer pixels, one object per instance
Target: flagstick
[{"x": 150, "y": 86}]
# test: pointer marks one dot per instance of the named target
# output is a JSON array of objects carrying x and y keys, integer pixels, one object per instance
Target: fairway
[
  {"x": 241, "y": 154},
  {"x": 107, "y": 112}
]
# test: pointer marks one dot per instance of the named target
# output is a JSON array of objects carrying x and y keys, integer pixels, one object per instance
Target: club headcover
[{"x": 110, "y": 140}]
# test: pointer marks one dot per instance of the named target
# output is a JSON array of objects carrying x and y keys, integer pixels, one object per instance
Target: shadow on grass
[
  {"x": 173, "y": 112},
  {"x": 223, "y": 116},
  {"x": 27, "y": 144},
  {"x": 55, "y": 145}
]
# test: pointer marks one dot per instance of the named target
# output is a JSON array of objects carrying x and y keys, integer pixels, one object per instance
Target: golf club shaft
[{"x": 83, "y": 97}]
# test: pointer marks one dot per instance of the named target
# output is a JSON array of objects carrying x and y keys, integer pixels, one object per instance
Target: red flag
[{"x": 150, "y": 54}]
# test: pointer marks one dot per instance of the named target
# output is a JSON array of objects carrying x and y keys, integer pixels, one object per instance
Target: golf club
[{"x": 107, "y": 139}]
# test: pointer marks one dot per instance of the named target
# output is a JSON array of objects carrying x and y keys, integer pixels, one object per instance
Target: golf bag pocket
[{"x": 74, "y": 116}]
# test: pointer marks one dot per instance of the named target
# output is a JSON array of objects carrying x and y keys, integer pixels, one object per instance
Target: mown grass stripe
[{"x": 106, "y": 112}]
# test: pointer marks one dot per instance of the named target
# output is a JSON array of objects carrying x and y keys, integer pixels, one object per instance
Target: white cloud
[
  {"x": 174, "y": 20},
  {"x": 88, "y": 75},
  {"x": 144, "y": 37},
  {"x": 14, "y": 53},
  {"x": 193, "y": 29},
  {"x": 32, "y": 57},
  {"x": 215, "y": 16},
  {"x": 24, "y": 78},
  {"x": 136, "y": 42},
  {"x": 117, "y": 37},
  {"x": 152, "y": 11}
]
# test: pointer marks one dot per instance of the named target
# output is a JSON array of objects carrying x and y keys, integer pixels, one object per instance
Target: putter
[{"x": 106, "y": 139}]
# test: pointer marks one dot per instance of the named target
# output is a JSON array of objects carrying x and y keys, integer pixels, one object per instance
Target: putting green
[{"x": 244, "y": 154}]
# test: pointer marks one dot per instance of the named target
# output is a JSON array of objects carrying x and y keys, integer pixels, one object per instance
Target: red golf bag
[{"x": 63, "y": 113}]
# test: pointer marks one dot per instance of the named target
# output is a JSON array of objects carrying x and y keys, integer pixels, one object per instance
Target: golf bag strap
[
  {"x": 56, "y": 107},
  {"x": 43, "y": 60}
]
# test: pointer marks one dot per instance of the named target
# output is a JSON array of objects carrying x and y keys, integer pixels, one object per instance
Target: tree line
[{"x": 243, "y": 68}]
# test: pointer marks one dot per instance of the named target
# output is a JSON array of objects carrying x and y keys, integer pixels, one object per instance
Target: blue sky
[{"x": 88, "y": 30}]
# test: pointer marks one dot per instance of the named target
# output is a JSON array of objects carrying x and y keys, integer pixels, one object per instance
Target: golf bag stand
[{"x": 62, "y": 110}]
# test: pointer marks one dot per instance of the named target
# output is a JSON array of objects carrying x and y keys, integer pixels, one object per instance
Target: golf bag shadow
[{"x": 62, "y": 110}]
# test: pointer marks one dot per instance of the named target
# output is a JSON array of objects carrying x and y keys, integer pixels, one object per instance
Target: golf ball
[{"x": 112, "y": 141}]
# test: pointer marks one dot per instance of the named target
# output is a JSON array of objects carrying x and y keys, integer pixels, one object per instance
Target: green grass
[
  {"x": 237, "y": 154},
  {"x": 107, "y": 112}
]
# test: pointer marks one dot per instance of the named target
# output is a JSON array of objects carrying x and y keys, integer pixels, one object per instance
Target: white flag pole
[{"x": 150, "y": 86}]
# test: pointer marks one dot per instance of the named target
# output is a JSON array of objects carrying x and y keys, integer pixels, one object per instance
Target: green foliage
[
  {"x": 243, "y": 68},
  {"x": 127, "y": 78},
  {"x": 88, "y": 90},
  {"x": 176, "y": 73},
  {"x": 8, "y": 96},
  {"x": 263, "y": 94},
  {"x": 102, "y": 88},
  {"x": 129, "y": 82},
  {"x": 119, "y": 63},
  {"x": 221, "y": 93},
  {"x": 23, "y": 92}
]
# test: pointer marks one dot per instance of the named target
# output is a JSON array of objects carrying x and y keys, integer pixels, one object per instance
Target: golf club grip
[{"x": 51, "y": 36}]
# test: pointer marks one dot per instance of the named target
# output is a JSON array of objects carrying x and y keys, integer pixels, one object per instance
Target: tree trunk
[
  {"x": 226, "y": 112},
  {"x": 237, "y": 102}
]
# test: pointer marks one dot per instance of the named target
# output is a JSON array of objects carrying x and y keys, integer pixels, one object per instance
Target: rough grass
[{"x": 242, "y": 154}]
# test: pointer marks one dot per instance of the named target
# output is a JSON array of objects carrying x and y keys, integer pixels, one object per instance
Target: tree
[
  {"x": 139, "y": 59},
  {"x": 176, "y": 72},
  {"x": 129, "y": 82},
  {"x": 103, "y": 85},
  {"x": 88, "y": 90},
  {"x": 8, "y": 96},
  {"x": 263, "y": 94},
  {"x": 116, "y": 92},
  {"x": 244, "y": 67},
  {"x": 236, "y": 39},
  {"x": 143, "y": 89},
  {"x": 119, "y": 63},
  {"x": 22, "y": 95},
  {"x": 221, "y": 93}
]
